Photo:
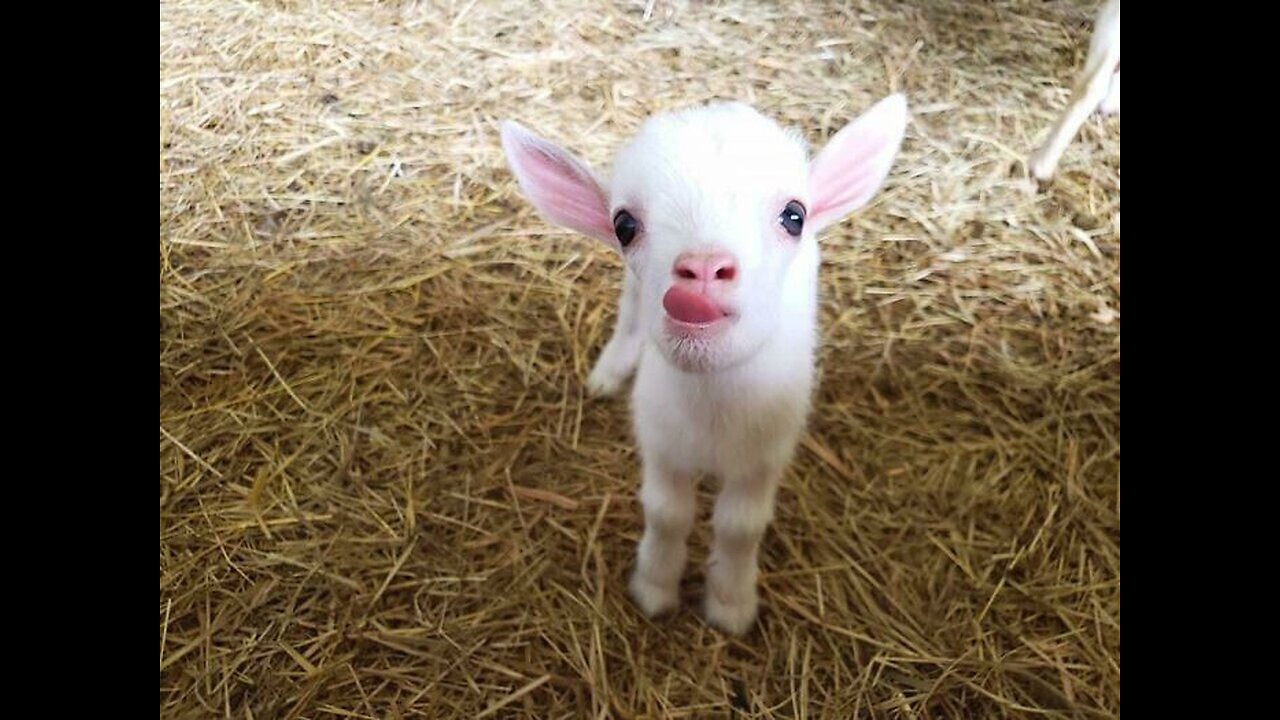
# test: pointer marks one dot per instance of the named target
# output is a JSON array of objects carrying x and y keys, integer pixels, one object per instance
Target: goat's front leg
[
  {"x": 669, "y": 506},
  {"x": 743, "y": 511},
  {"x": 1090, "y": 91},
  {"x": 622, "y": 353}
]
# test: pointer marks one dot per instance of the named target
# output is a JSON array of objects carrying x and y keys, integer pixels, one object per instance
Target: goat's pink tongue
[{"x": 690, "y": 307}]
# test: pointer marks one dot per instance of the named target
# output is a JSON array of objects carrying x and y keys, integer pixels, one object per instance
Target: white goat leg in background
[
  {"x": 1111, "y": 106},
  {"x": 1099, "y": 83}
]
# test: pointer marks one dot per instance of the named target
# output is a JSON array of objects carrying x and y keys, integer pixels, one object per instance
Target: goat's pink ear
[
  {"x": 855, "y": 162},
  {"x": 560, "y": 186}
]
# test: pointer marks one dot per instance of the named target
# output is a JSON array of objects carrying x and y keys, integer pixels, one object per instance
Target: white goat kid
[
  {"x": 1097, "y": 88},
  {"x": 714, "y": 210}
]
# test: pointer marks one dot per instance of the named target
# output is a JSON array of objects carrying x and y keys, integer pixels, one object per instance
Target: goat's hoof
[
  {"x": 653, "y": 599},
  {"x": 1042, "y": 171},
  {"x": 608, "y": 376},
  {"x": 603, "y": 384},
  {"x": 734, "y": 618}
]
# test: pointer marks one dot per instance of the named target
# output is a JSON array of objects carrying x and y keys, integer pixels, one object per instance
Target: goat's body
[
  {"x": 733, "y": 419},
  {"x": 728, "y": 424},
  {"x": 718, "y": 313},
  {"x": 740, "y": 425}
]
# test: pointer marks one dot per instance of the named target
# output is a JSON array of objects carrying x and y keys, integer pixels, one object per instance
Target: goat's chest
[{"x": 696, "y": 425}]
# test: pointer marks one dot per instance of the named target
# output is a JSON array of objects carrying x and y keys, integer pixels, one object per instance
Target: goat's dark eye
[
  {"x": 625, "y": 227},
  {"x": 792, "y": 218}
]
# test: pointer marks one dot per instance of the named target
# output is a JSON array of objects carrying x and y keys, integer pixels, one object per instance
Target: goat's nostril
[{"x": 705, "y": 267}]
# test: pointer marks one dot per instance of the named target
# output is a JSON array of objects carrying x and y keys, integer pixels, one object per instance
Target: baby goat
[{"x": 714, "y": 210}]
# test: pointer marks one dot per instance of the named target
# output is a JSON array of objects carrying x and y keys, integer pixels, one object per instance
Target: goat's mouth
[
  {"x": 698, "y": 330},
  {"x": 689, "y": 312},
  {"x": 695, "y": 327}
]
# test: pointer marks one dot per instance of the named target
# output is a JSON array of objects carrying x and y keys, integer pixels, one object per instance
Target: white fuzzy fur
[
  {"x": 1097, "y": 88},
  {"x": 732, "y": 406}
]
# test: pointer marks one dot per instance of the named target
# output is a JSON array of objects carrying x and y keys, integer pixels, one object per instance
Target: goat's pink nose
[{"x": 705, "y": 267}]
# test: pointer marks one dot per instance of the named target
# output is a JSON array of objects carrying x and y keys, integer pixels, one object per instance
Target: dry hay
[{"x": 382, "y": 491}]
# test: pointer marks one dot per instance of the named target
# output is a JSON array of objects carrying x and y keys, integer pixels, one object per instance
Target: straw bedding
[{"x": 383, "y": 491}]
